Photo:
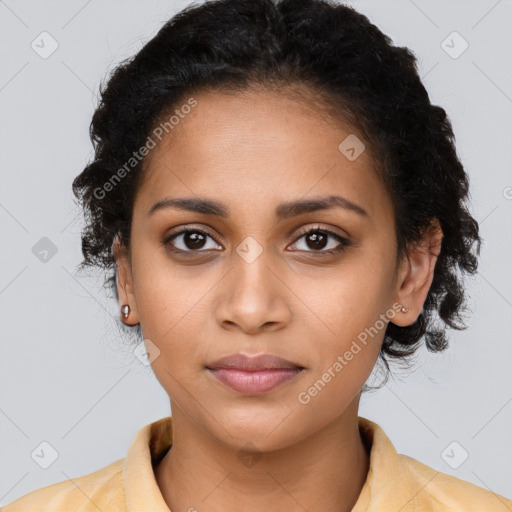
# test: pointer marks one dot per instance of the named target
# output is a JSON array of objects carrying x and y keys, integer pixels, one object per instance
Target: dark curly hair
[{"x": 353, "y": 70}]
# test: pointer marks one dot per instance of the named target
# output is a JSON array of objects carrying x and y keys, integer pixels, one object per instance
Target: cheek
[
  {"x": 170, "y": 310},
  {"x": 344, "y": 303},
  {"x": 164, "y": 292},
  {"x": 174, "y": 326},
  {"x": 346, "y": 318}
]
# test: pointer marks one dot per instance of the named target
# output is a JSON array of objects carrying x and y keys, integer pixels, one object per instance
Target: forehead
[{"x": 237, "y": 146}]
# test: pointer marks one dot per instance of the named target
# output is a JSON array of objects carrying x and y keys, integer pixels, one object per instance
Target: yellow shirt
[{"x": 395, "y": 482}]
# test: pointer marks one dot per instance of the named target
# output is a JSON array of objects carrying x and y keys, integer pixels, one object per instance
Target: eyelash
[{"x": 344, "y": 243}]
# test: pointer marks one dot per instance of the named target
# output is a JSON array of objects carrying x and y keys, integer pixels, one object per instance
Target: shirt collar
[
  {"x": 141, "y": 489},
  {"x": 385, "y": 487},
  {"x": 382, "y": 486}
]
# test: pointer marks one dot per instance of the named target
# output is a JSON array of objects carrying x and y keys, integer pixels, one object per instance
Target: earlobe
[
  {"x": 124, "y": 284},
  {"x": 418, "y": 274}
]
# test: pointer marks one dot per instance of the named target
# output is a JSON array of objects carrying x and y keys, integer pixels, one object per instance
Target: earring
[
  {"x": 404, "y": 310},
  {"x": 125, "y": 310}
]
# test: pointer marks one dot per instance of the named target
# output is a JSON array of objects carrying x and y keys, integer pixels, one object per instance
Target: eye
[
  {"x": 190, "y": 240},
  {"x": 317, "y": 239}
]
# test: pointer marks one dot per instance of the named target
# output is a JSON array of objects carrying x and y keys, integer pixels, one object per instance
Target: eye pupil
[
  {"x": 318, "y": 238},
  {"x": 194, "y": 240}
]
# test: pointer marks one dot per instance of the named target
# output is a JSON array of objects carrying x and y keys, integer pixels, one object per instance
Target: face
[{"x": 252, "y": 280}]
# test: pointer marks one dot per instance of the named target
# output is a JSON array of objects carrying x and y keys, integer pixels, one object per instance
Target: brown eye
[
  {"x": 316, "y": 240},
  {"x": 190, "y": 240},
  {"x": 321, "y": 241}
]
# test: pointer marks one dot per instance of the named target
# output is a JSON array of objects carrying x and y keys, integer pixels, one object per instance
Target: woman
[{"x": 281, "y": 206}]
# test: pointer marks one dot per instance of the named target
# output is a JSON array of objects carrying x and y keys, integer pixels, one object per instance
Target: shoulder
[
  {"x": 437, "y": 491},
  {"x": 399, "y": 482},
  {"x": 100, "y": 490}
]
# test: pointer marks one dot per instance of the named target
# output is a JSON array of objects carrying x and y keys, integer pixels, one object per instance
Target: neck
[{"x": 325, "y": 471}]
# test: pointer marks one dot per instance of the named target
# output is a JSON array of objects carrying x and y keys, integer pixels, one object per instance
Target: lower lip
[{"x": 254, "y": 382}]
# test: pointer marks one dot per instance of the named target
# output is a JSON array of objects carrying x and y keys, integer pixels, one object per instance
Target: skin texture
[{"x": 251, "y": 152}]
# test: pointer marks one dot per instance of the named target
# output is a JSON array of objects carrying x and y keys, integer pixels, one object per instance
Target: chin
[{"x": 265, "y": 429}]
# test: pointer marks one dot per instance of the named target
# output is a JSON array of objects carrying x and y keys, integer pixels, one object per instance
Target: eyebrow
[{"x": 282, "y": 211}]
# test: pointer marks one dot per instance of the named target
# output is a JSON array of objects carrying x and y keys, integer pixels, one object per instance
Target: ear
[
  {"x": 125, "y": 282},
  {"x": 416, "y": 274}
]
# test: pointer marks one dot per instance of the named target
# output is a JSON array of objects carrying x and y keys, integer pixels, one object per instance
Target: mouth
[{"x": 253, "y": 375}]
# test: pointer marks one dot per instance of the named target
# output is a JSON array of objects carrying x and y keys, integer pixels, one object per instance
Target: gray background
[{"x": 66, "y": 376}]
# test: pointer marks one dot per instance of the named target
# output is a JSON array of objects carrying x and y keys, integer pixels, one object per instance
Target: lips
[
  {"x": 253, "y": 375},
  {"x": 253, "y": 363}
]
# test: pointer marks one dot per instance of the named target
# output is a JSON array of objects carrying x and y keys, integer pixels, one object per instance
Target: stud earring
[
  {"x": 125, "y": 310},
  {"x": 404, "y": 310}
]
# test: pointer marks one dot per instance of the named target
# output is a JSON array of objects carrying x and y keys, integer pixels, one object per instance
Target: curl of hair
[{"x": 351, "y": 69}]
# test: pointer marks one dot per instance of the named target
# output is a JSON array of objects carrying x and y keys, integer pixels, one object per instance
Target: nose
[{"x": 254, "y": 298}]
